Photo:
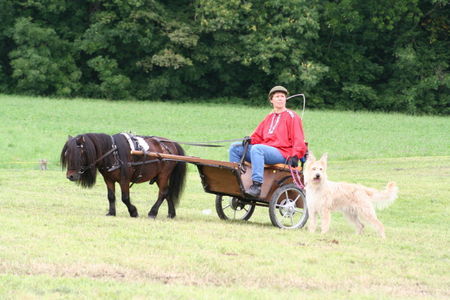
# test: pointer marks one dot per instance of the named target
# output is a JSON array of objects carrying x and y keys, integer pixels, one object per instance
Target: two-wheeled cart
[{"x": 228, "y": 181}]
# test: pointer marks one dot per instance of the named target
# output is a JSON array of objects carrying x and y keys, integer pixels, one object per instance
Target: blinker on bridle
[{"x": 83, "y": 169}]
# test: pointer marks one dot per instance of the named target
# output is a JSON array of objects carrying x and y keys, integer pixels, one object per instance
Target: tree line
[{"x": 378, "y": 55}]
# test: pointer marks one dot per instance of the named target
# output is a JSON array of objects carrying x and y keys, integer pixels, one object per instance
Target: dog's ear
[
  {"x": 311, "y": 157},
  {"x": 324, "y": 158}
]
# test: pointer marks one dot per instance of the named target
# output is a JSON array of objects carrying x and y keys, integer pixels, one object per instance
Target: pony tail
[{"x": 177, "y": 179}]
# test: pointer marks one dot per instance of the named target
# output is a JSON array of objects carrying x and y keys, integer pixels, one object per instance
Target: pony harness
[{"x": 136, "y": 142}]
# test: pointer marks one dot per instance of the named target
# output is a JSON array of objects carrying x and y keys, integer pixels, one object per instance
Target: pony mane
[{"x": 94, "y": 145}]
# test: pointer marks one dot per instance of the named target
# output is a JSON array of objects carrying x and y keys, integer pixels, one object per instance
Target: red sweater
[{"x": 283, "y": 131}]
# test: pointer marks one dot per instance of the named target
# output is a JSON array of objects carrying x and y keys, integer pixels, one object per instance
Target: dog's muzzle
[{"x": 316, "y": 177}]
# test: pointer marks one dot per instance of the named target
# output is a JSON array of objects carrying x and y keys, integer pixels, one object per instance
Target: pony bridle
[{"x": 83, "y": 169}]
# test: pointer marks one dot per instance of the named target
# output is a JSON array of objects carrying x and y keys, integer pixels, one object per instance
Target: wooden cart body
[
  {"x": 232, "y": 179},
  {"x": 221, "y": 179}
]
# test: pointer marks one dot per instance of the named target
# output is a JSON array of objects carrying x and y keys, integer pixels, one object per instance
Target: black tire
[
  {"x": 232, "y": 208},
  {"x": 284, "y": 209}
]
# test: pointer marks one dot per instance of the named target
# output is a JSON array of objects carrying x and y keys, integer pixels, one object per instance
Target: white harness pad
[{"x": 136, "y": 142}]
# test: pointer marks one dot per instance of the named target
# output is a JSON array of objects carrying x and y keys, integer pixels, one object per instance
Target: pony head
[{"x": 78, "y": 156}]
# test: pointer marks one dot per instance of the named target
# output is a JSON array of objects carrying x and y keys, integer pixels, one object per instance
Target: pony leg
[
  {"x": 163, "y": 194},
  {"x": 154, "y": 210},
  {"x": 111, "y": 198},
  {"x": 172, "y": 213},
  {"x": 126, "y": 199}
]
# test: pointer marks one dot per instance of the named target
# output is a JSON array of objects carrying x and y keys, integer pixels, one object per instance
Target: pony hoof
[
  {"x": 152, "y": 217},
  {"x": 171, "y": 216},
  {"x": 133, "y": 212},
  {"x": 110, "y": 215}
]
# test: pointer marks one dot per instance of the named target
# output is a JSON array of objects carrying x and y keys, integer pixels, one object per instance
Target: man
[{"x": 277, "y": 139}]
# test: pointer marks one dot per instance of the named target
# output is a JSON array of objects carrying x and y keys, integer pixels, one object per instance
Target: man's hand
[
  {"x": 246, "y": 140},
  {"x": 293, "y": 161}
]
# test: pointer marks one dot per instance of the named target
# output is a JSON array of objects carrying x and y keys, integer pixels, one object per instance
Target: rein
[
  {"x": 202, "y": 144},
  {"x": 114, "y": 150},
  {"x": 296, "y": 177}
]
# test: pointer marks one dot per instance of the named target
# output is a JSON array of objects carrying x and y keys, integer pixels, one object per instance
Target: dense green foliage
[{"x": 348, "y": 54}]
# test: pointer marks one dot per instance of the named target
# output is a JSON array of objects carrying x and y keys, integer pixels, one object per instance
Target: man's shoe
[{"x": 254, "y": 190}]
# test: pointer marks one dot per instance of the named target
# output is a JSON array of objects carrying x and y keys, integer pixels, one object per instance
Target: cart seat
[{"x": 283, "y": 167}]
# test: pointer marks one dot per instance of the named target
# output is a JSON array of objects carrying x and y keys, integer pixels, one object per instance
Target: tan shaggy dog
[{"x": 354, "y": 200}]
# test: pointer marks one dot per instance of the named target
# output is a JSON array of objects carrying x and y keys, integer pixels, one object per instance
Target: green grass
[
  {"x": 55, "y": 241},
  {"x": 37, "y": 128}
]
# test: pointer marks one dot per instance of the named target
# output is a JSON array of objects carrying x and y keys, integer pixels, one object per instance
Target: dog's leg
[
  {"x": 326, "y": 219},
  {"x": 353, "y": 218},
  {"x": 312, "y": 221},
  {"x": 369, "y": 215}
]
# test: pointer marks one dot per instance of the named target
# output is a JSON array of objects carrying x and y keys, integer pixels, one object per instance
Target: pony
[{"x": 85, "y": 154}]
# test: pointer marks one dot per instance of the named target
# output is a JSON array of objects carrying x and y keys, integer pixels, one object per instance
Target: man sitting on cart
[{"x": 277, "y": 139}]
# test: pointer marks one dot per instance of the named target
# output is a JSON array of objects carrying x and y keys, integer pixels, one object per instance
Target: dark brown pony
[{"x": 86, "y": 153}]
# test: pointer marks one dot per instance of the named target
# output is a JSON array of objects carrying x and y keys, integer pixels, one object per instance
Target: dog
[{"x": 357, "y": 202}]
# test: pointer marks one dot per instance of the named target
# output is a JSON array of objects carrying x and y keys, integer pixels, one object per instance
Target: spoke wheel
[
  {"x": 287, "y": 208},
  {"x": 232, "y": 208}
]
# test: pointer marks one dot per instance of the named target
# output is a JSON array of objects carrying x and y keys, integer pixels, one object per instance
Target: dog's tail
[{"x": 382, "y": 199}]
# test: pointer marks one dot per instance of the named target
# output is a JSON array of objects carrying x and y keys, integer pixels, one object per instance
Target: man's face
[{"x": 278, "y": 100}]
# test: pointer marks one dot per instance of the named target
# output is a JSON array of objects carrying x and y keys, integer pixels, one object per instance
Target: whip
[{"x": 304, "y": 101}]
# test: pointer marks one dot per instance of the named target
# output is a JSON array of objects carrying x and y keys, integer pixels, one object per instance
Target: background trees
[{"x": 348, "y": 54}]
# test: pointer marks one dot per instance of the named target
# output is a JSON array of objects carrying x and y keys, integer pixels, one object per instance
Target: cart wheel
[
  {"x": 287, "y": 208},
  {"x": 231, "y": 208}
]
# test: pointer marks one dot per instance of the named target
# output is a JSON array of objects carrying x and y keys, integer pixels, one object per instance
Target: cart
[{"x": 228, "y": 181}]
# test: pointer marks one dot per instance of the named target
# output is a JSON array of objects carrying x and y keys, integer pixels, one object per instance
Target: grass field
[
  {"x": 55, "y": 241},
  {"x": 37, "y": 128}
]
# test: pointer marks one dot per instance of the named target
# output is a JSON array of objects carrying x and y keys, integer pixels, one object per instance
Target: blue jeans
[{"x": 258, "y": 155}]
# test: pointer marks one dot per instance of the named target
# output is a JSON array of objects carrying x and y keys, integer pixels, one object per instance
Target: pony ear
[
  {"x": 69, "y": 137},
  {"x": 80, "y": 140}
]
